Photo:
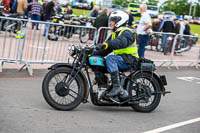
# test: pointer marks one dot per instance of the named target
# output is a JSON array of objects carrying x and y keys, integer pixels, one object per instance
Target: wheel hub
[{"x": 61, "y": 89}]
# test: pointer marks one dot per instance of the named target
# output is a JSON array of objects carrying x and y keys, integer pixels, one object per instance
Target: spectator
[
  {"x": 6, "y": 4},
  {"x": 21, "y": 6},
  {"x": 182, "y": 26},
  {"x": 166, "y": 26},
  {"x": 36, "y": 9},
  {"x": 94, "y": 12},
  {"x": 156, "y": 25},
  {"x": 48, "y": 13},
  {"x": 91, "y": 5},
  {"x": 187, "y": 28},
  {"x": 131, "y": 19},
  {"x": 69, "y": 11},
  {"x": 144, "y": 28},
  {"x": 44, "y": 5},
  {"x": 177, "y": 26},
  {"x": 58, "y": 10},
  {"x": 102, "y": 21}
]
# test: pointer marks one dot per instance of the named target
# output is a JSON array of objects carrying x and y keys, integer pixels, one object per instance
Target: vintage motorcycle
[{"x": 65, "y": 86}]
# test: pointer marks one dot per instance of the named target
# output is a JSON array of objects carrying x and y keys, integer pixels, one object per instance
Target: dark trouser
[
  {"x": 142, "y": 42},
  {"x": 37, "y": 18}
]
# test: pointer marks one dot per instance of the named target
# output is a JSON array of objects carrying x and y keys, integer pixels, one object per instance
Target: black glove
[{"x": 100, "y": 46}]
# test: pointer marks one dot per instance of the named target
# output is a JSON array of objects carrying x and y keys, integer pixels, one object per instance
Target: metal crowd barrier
[
  {"x": 35, "y": 48},
  {"x": 184, "y": 46},
  {"x": 9, "y": 45},
  {"x": 103, "y": 34},
  {"x": 162, "y": 43}
]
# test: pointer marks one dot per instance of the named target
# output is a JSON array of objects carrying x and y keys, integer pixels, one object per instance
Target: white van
[{"x": 153, "y": 11}]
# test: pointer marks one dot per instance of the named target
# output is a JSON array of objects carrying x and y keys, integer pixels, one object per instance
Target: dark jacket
[
  {"x": 123, "y": 41},
  {"x": 29, "y": 6},
  {"x": 48, "y": 11},
  {"x": 167, "y": 25},
  {"x": 187, "y": 30},
  {"x": 177, "y": 28},
  {"x": 69, "y": 12},
  {"x": 101, "y": 21},
  {"x": 155, "y": 26},
  {"x": 95, "y": 13},
  {"x": 130, "y": 21}
]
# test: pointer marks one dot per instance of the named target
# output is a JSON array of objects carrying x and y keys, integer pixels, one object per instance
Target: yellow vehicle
[{"x": 134, "y": 8}]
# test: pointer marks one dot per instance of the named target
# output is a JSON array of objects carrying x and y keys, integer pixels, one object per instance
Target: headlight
[{"x": 72, "y": 50}]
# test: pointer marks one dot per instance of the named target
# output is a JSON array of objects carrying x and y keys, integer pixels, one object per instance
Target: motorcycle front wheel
[
  {"x": 58, "y": 94},
  {"x": 146, "y": 90}
]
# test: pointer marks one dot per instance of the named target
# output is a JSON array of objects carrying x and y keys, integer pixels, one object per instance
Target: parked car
[
  {"x": 82, "y": 4},
  {"x": 169, "y": 14},
  {"x": 64, "y": 3},
  {"x": 116, "y": 7},
  {"x": 153, "y": 11},
  {"x": 134, "y": 8},
  {"x": 195, "y": 20}
]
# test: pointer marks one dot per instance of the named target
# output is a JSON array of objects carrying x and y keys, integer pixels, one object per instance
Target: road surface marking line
[{"x": 162, "y": 129}]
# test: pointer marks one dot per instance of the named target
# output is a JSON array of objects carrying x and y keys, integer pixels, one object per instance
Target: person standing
[
  {"x": 48, "y": 13},
  {"x": 177, "y": 26},
  {"x": 144, "y": 28},
  {"x": 102, "y": 21},
  {"x": 182, "y": 26},
  {"x": 44, "y": 5},
  {"x": 36, "y": 9},
  {"x": 167, "y": 26},
  {"x": 21, "y": 6},
  {"x": 95, "y": 11},
  {"x": 131, "y": 19},
  {"x": 6, "y": 4},
  {"x": 69, "y": 11}
]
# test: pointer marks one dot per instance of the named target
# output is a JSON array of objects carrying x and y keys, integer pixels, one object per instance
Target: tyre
[
  {"x": 56, "y": 92},
  {"x": 84, "y": 35},
  {"x": 147, "y": 88}
]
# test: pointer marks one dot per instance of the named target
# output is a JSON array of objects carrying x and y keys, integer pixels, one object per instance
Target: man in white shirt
[
  {"x": 144, "y": 28},
  {"x": 182, "y": 26}
]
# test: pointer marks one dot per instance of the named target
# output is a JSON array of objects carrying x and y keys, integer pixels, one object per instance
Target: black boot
[{"x": 116, "y": 84}]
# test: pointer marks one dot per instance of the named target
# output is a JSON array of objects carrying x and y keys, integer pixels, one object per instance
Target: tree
[
  {"x": 153, "y": 2},
  {"x": 180, "y": 7}
]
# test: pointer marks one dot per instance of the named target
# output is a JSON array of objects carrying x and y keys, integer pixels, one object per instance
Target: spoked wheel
[
  {"x": 51, "y": 34},
  {"x": 58, "y": 94},
  {"x": 145, "y": 92},
  {"x": 84, "y": 35}
]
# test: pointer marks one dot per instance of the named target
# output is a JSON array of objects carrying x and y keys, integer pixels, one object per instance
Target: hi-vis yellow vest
[{"x": 132, "y": 49}]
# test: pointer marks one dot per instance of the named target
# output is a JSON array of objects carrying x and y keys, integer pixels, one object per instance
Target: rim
[
  {"x": 60, "y": 93},
  {"x": 145, "y": 88},
  {"x": 84, "y": 35}
]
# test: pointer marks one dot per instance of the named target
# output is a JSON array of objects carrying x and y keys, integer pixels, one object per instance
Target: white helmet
[{"x": 119, "y": 17}]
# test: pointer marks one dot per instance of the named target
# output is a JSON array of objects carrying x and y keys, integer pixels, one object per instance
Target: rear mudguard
[
  {"x": 161, "y": 80},
  {"x": 83, "y": 78}
]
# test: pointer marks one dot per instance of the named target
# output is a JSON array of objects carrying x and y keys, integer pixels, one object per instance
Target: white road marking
[
  {"x": 189, "y": 79},
  {"x": 162, "y": 129}
]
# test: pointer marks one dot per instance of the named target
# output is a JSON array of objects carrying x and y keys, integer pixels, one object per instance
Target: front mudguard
[
  {"x": 83, "y": 78},
  {"x": 160, "y": 78}
]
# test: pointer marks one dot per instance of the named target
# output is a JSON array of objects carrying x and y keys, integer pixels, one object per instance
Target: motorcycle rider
[{"x": 122, "y": 42}]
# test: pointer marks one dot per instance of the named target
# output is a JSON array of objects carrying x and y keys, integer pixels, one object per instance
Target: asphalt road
[{"x": 24, "y": 110}]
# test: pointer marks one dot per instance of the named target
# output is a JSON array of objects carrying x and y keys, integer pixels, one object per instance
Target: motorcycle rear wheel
[
  {"x": 55, "y": 92},
  {"x": 148, "y": 86}
]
